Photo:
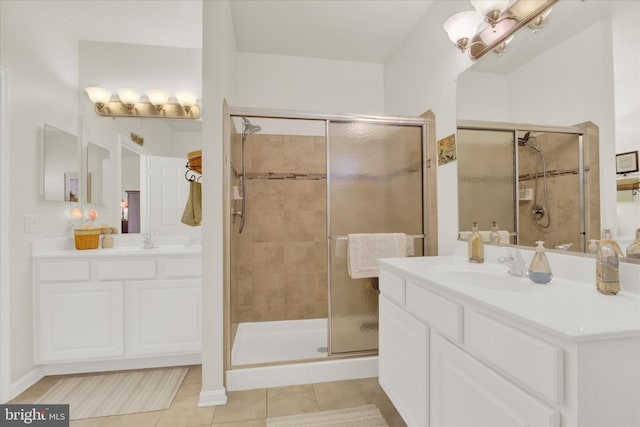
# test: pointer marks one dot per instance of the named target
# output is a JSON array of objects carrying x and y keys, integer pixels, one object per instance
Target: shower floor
[{"x": 282, "y": 340}]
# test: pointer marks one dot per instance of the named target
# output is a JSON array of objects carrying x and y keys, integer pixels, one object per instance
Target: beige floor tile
[
  {"x": 291, "y": 400},
  {"x": 251, "y": 423},
  {"x": 189, "y": 390},
  {"x": 372, "y": 392},
  {"x": 184, "y": 413},
  {"x": 194, "y": 375},
  {"x": 242, "y": 406},
  {"x": 338, "y": 395},
  {"x": 89, "y": 422},
  {"x": 142, "y": 419}
]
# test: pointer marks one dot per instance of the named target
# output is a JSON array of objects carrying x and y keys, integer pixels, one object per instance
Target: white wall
[
  {"x": 422, "y": 76},
  {"x": 308, "y": 84},
  {"x": 218, "y": 68},
  {"x": 490, "y": 88},
  {"x": 42, "y": 61}
]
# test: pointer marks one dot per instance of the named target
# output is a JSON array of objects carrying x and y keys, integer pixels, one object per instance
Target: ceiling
[{"x": 349, "y": 30}]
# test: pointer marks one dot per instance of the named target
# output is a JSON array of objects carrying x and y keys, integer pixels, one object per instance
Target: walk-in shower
[
  {"x": 299, "y": 183},
  {"x": 537, "y": 182}
]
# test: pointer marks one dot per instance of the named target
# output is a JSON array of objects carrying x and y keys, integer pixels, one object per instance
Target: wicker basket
[{"x": 87, "y": 238}]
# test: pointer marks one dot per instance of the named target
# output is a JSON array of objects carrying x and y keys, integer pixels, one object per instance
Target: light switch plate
[{"x": 31, "y": 223}]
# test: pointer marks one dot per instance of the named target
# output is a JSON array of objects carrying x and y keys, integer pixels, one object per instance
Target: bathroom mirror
[
  {"x": 561, "y": 75},
  {"x": 61, "y": 172},
  {"x": 130, "y": 150},
  {"x": 98, "y": 163}
]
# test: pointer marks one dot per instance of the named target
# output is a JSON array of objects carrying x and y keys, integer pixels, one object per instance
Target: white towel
[
  {"x": 364, "y": 250},
  {"x": 504, "y": 236}
]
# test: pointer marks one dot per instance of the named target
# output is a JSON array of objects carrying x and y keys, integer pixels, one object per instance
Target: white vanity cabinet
[
  {"x": 453, "y": 355},
  {"x": 125, "y": 310},
  {"x": 81, "y": 320}
]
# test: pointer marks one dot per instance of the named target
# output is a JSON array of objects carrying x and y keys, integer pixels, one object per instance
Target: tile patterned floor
[{"x": 248, "y": 408}]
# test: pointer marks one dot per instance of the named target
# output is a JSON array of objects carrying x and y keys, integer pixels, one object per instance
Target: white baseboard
[
  {"x": 302, "y": 373},
  {"x": 27, "y": 380},
  {"x": 213, "y": 397},
  {"x": 120, "y": 365}
]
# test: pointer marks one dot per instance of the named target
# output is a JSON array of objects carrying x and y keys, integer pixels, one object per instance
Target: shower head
[
  {"x": 248, "y": 128},
  {"x": 524, "y": 140}
]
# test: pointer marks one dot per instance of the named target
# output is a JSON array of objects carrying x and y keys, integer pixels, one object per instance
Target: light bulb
[
  {"x": 129, "y": 97},
  {"x": 98, "y": 95},
  {"x": 158, "y": 98},
  {"x": 186, "y": 99},
  {"x": 461, "y": 27}
]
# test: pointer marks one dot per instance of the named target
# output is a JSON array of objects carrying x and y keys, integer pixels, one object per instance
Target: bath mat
[
  {"x": 361, "y": 416},
  {"x": 116, "y": 394}
]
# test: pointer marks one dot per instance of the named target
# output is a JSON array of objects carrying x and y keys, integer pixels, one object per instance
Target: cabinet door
[
  {"x": 163, "y": 316},
  {"x": 464, "y": 392},
  {"x": 403, "y": 362},
  {"x": 80, "y": 321}
]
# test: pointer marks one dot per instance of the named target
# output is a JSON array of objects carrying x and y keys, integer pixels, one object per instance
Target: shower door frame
[
  {"x": 427, "y": 129},
  {"x": 514, "y": 128}
]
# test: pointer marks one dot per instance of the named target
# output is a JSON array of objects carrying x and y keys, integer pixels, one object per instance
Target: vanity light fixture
[
  {"x": 492, "y": 10},
  {"x": 187, "y": 100},
  {"x": 129, "y": 98},
  {"x": 157, "y": 103},
  {"x": 502, "y": 47},
  {"x": 158, "y": 98},
  {"x": 503, "y": 18},
  {"x": 99, "y": 96}
]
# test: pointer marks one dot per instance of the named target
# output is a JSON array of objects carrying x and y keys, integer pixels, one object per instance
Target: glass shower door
[{"x": 375, "y": 185}]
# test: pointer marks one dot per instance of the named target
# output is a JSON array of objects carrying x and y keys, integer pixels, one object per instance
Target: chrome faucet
[
  {"x": 147, "y": 241},
  {"x": 515, "y": 263},
  {"x": 564, "y": 246}
]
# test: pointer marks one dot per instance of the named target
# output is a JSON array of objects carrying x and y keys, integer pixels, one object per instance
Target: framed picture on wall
[
  {"x": 71, "y": 186},
  {"x": 627, "y": 162}
]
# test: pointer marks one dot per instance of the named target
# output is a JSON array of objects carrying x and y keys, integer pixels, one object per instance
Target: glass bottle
[
  {"x": 539, "y": 269},
  {"x": 494, "y": 234},
  {"x": 607, "y": 264},
  {"x": 633, "y": 250},
  {"x": 476, "y": 247}
]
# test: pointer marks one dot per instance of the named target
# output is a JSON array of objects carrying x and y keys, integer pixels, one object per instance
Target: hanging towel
[
  {"x": 364, "y": 250},
  {"x": 193, "y": 210}
]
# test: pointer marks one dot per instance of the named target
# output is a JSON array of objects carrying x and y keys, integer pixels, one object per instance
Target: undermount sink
[{"x": 484, "y": 276}]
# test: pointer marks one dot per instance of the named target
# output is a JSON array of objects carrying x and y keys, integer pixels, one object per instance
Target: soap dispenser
[
  {"x": 539, "y": 270},
  {"x": 607, "y": 264},
  {"x": 494, "y": 234},
  {"x": 633, "y": 250},
  {"x": 476, "y": 246}
]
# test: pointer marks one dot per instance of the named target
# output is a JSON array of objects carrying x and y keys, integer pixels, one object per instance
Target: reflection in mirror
[
  {"x": 98, "y": 163},
  {"x": 536, "y": 183},
  {"x": 147, "y": 156},
  {"x": 130, "y": 194},
  {"x": 564, "y": 74},
  {"x": 61, "y": 172}
]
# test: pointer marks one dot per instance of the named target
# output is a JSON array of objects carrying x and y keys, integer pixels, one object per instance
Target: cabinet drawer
[
  {"x": 182, "y": 267},
  {"x": 64, "y": 271},
  {"x": 436, "y": 311},
  {"x": 127, "y": 270},
  {"x": 392, "y": 286},
  {"x": 534, "y": 363}
]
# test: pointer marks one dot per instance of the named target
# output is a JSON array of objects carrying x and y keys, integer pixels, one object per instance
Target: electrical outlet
[{"x": 31, "y": 223}]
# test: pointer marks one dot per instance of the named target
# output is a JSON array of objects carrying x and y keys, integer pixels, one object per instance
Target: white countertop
[
  {"x": 129, "y": 246},
  {"x": 571, "y": 310}
]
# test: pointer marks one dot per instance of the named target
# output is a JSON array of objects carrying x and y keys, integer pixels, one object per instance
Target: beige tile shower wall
[
  {"x": 561, "y": 154},
  {"x": 282, "y": 252}
]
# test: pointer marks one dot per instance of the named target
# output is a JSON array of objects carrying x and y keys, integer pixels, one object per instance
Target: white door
[
  {"x": 464, "y": 392},
  {"x": 168, "y": 193},
  {"x": 404, "y": 362}
]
